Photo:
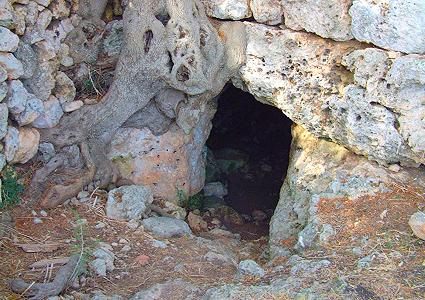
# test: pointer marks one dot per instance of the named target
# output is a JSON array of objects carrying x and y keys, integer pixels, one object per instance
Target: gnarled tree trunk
[{"x": 167, "y": 44}]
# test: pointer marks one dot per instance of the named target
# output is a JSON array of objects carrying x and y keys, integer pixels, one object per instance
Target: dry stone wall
[{"x": 34, "y": 90}]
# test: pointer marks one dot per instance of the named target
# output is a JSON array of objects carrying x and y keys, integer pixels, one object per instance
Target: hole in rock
[{"x": 248, "y": 152}]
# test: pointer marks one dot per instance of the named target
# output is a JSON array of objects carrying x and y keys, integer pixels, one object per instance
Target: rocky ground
[{"x": 373, "y": 254}]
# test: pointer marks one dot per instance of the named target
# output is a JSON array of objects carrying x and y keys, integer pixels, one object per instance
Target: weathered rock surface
[
  {"x": 12, "y": 66},
  {"x": 196, "y": 222},
  {"x": 249, "y": 268},
  {"x": 172, "y": 289},
  {"x": 8, "y": 40},
  {"x": 128, "y": 202},
  {"x": 394, "y": 25},
  {"x": 227, "y": 9},
  {"x": 4, "y": 113},
  {"x": 166, "y": 227},
  {"x": 51, "y": 114},
  {"x": 104, "y": 259},
  {"x": 167, "y": 163},
  {"x": 308, "y": 78},
  {"x": 317, "y": 169},
  {"x": 326, "y": 18}
]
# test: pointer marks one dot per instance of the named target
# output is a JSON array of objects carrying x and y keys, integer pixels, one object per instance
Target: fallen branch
[{"x": 39, "y": 291}]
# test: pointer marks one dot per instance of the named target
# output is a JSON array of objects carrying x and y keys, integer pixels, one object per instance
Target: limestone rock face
[
  {"x": 326, "y": 18},
  {"x": 321, "y": 169},
  {"x": 161, "y": 162},
  {"x": 394, "y": 25},
  {"x": 166, "y": 157},
  {"x": 227, "y": 9},
  {"x": 309, "y": 79},
  {"x": 267, "y": 11}
]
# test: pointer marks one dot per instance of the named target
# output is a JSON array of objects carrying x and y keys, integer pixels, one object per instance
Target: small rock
[
  {"x": 8, "y": 40},
  {"x": 14, "y": 67},
  {"x": 46, "y": 152},
  {"x": 166, "y": 227},
  {"x": 306, "y": 268},
  {"x": 142, "y": 260},
  {"x": 417, "y": 224},
  {"x": 84, "y": 200},
  {"x": 104, "y": 259},
  {"x": 51, "y": 114},
  {"x": 394, "y": 168},
  {"x": 126, "y": 248},
  {"x": 99, "y": 267},
  {"x": 72, "y": 106},
  {"x": 249, "y": 268},
  {"x": 37, "y": 221},
  {"x": 83, "y": 194},
  {"x": 75, "y": 202},
  {"x": 223, "y": 233},
  {"x": 366, "y": 261},
  {"x": 128, "y": 202},
  {"x": 171, "y": 289},
  {"x": 179, "y": 268},
  {"x": 133, "y": 224},
  {"x": 159, "y": 244},
  {"x": 123, "y": 241},
  {"x": 227, "y": 9},
  {"x": 196, "y": 222},
  {"x": 357, "y": 251},
  {"x": 27, "y": 146},
  {"x": 100, "y": 225},
  {"x": 3, "y": 90}
]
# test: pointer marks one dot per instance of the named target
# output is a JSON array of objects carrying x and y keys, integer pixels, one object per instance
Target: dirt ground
[{"x": 375, "y": 225}]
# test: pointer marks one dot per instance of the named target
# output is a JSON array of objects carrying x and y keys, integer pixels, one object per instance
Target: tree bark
[{"x": 167, "y": 44}]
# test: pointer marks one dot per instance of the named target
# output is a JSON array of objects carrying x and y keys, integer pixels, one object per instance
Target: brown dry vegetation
[{"x": 376, "y": 224}]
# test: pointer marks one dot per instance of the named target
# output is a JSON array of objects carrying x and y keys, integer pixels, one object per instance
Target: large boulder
[
  {"x": 166, "y": 227},
  {"x": 394, "y": 25},
  {"x": 169, "y": 158}
]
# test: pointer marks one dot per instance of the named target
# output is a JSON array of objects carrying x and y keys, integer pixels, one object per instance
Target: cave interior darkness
[{"x": 248, "y": 151}]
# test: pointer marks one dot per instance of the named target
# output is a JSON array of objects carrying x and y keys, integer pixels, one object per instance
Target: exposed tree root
[{"x": 40, "y": 291}]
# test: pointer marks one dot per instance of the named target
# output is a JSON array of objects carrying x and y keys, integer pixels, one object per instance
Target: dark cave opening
[{"x": 249, "y": 152}]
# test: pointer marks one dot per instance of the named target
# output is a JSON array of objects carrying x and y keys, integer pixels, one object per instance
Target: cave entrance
[{"x": 248, "y": 152}]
